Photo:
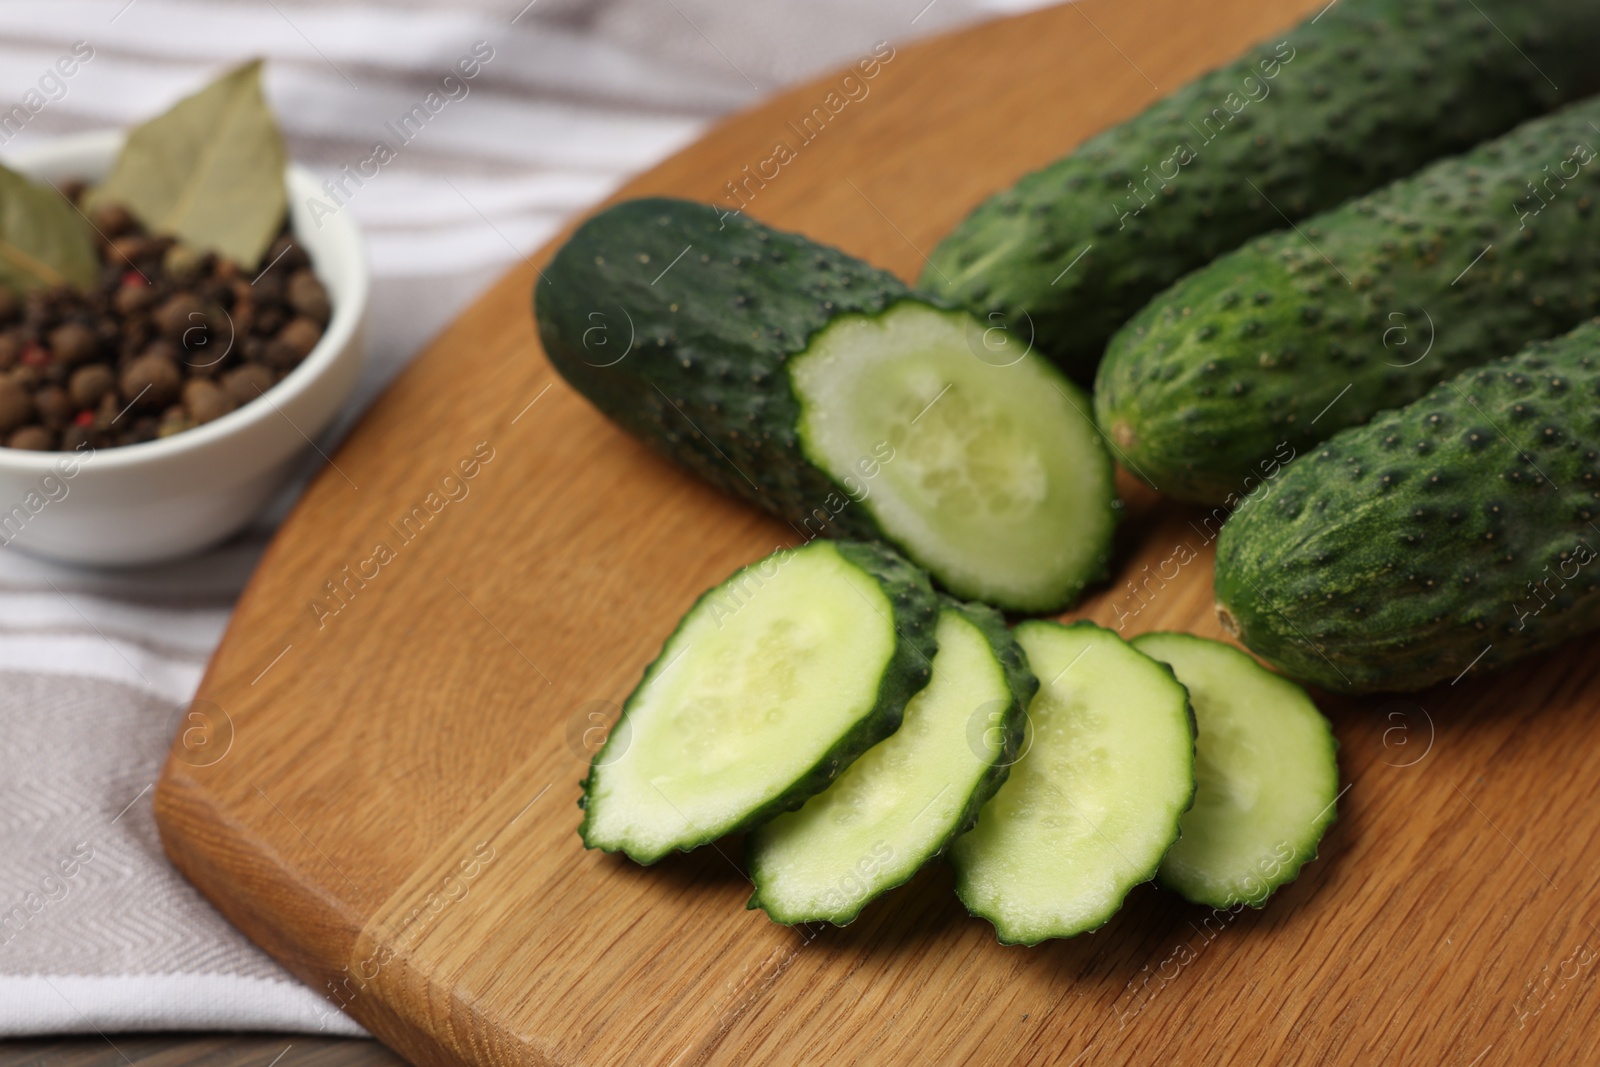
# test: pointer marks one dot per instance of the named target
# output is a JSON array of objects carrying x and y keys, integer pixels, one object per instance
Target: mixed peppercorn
[{"x": 169, "y": 339}]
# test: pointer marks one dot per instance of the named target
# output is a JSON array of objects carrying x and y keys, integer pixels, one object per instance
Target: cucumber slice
[
  {"x": 771, "y": 685},
  {"x": 1266, "y": 773},
  {"x": 899, "y": 805},
  {"x": 998, "y": 483},
  {"x": 1094, "y": 803}
]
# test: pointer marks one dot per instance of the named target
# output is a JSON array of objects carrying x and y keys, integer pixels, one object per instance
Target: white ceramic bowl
[{"x": 170, "y": 497}]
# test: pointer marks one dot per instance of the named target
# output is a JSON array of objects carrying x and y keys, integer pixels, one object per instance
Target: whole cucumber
[
  {"x": 1460, "y": 531},
  {"x": 1366, "y": 92},
  {"x": 1278, "y": 345}
]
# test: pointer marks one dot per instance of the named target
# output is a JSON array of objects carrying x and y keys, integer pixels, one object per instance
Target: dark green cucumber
[
  {"x": 1266, "y": 780},
  {"x": 907, "y": 798},
  {"x": 1362, "y": 94},
  {"x": 771, "y": 685},
  {"x": 1094, "y": 802},
  {"x": 820, "y": 389},
  {"x": 1458, "y": 532},
  {"x": 1276, "y": 346}
]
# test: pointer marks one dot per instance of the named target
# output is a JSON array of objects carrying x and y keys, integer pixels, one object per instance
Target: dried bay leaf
[
  {"x": 44, "y": 241},
  {"x": 208, "y": 171}
]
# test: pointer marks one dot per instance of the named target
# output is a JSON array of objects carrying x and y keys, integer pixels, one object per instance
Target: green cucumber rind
[
  {"x": 1022, "y": 684},
  {"x": 1377, "y": 568},
  {"x": 1439, "y": 78},
  {"x": 916, "y": 611},
  {"x": 1272, "y": 348},
  {"x": 1317, "y": 830},
  {"x": 1147, "y": 875}
]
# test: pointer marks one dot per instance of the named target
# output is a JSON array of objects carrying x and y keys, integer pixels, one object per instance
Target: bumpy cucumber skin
[
  {"x": 1021, "y": 683},
  {"x": 1399, "y": 551},
  {"x": 1250, "y": 356},
  {"x": 916, "y": 613},
  {"x": 704, "y": 382},
  {"x": 1002, "y": 934},
  {"x": 1373, "y": 90},
  {"x": 1305, "y": 851}
]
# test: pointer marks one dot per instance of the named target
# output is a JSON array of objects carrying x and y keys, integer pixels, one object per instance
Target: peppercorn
[
  {"x": 33, "y": 439},
  {"x": 287, "y": 254},
  {"x": 214, "y": 340},
  {"x": 144, "y": 428},
  {"x": 204, "y": 400},
  {"x": 75, "y": 437},
  {"x": 133, "y": 295},
  {"x": 243, "y": 317},
  {"x": 292, "y": 344},
  {"x": 108, "y": 413},
  {"x": 269, "y": 286},
  {"x": 38, "y": 310},
  {"x": 268, "y": 321},
  {"x": 244, "y": 383},
  {"x": 112, "y": 220},
  {"x": 89, "y": 384},
  {"x": 308, "y": 297},
  {"x": 73, "y": 343},
  {"x": 54, "y": 406},
  {"x": 132, "y": 248},
  {"x": 177, "y": 314},
  {"x": 151, "y": 381},
  {"x": 16, "y": 405}
]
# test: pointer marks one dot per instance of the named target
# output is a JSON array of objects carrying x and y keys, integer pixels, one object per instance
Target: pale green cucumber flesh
[
  {"x": 1266, "y": 775},
  {"x": 984, "y": 467},
  {"x": 1094, "y": 802},
  {"x": 758, "y": 684},
  {"x": 899, "y": 804}
]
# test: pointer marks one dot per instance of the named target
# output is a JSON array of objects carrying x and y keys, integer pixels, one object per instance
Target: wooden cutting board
[{"x": 379, "y": 787}]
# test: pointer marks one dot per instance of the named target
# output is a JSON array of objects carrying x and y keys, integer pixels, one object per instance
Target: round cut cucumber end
[{"x": 986, "y": 469}]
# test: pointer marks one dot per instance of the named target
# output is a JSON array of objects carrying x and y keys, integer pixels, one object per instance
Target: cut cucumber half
[
  {"x": 771, "y": 685},
  {"x": 1265, "y": 770},
  {"x": 824, "y": 391},
  {"x": 998, "y": 482},
  {"x": 1094, "y": 802},
  {"x": 901, "y": 803}
]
